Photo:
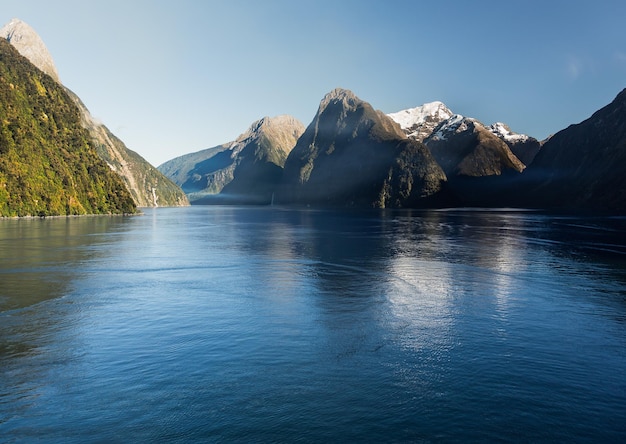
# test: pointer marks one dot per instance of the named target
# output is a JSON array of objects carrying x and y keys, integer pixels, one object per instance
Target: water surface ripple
[{"x": 244, "y": 324}]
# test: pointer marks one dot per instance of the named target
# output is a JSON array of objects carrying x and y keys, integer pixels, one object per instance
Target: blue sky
[{"x": 174, "y": 77}]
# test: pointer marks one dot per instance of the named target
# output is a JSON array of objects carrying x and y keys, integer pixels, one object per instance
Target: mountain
[
  {"x": 30, "y": 45},
  {"x": 196, "y": 172},
  {"x": 582, "y": 166},
  {"x": 419, "y": 122},
  {"x": 246, "y": 170},
  {"x": 353, "y": 155},
  {"x": 48, "y": 163},
  {"x": 147, "y": 185},
  {"x": 464, "y": 147},
  {"x": 478, "y": 161},
  {"x": 524, "y": 147}
]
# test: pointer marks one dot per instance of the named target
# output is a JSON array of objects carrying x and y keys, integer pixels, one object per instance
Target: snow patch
[
  {"x": 504, "y": 132},
  {"x": 417, "y": 116},
  {"x": 455, "y": 124}
]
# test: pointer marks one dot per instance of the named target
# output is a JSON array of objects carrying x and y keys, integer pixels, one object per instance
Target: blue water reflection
[{"x": 273, "y": 324}]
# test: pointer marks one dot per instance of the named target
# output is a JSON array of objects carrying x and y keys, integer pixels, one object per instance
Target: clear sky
[{"x": 177, "y": 76}]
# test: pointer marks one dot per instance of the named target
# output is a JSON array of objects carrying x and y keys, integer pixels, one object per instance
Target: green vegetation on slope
[
  {"x": 148, "y": 186},
  {"x": 48, "y": 165}
]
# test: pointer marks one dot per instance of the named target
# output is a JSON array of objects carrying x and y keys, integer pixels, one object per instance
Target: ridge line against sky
[{"x": 174, "y": 77}]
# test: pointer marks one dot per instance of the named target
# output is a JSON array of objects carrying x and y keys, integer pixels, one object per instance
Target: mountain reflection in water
[{"x": 272, "y": 324}]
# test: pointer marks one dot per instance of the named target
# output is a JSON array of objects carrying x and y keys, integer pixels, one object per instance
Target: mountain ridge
[
  {"x": 581, "y": 165},
  {"x": 335, "y": 161},
  {"x": 148, "y": 187},
  {"x": 243, "y": 170},
  {"x": 353, "y": 155},
  {"x": 422, "y": 122},
  {"x": 26, "y": 40},
  {"x": 419, "y": 122},
  {"x": 48, "y": 163}
]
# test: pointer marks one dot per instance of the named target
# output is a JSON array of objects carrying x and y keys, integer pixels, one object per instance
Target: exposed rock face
[
  {"x": 464, "y": 147},
  {"x": 437, "y": 126},
  {"x": 148, "y": 187},
  {"x": 419, "y": 122},
  {"x": 353, "y": 155},
  {"x": 246, "y": 170},
  {"x": 30, "y": 45},
  {"x": 524, "y": 147},
  {"x": 582, "y": 166}
]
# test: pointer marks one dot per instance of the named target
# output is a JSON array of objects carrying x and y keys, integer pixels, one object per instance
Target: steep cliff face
[
  {"x": 524, "y": 147},
  {"x": 478, "y": 161},
  {"x": 48, "y": 164},
  {"x": 418, "y": 123},
  {"x": 147, "y": 185},
  {"x": 582, "y": 166},
  {"x": 464, "y": 147},
  {"x": 259, "y": 164},
  {"x": 353, "y": 155},
  {"x": 246, "y": 170},
  {"x": 30, "y": 45}
]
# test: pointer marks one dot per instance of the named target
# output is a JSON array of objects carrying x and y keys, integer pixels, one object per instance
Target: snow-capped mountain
[
  {"x": 523, "y": 146},
  {"x": 504, "y": 132},
  {"x": 461, "y": 145},
  {"x": 435, "y": 122},
  {"x": 453, "y": 125},
  {"x": 419, "y": 122},
  {"x": 354, "y": 155},
  {"x": 465, "y": 147}
]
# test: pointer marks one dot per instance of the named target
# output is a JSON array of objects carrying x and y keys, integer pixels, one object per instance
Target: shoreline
[{"x": 70, "y": 216}]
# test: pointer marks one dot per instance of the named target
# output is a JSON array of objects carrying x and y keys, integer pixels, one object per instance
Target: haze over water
[{"x": 269, "y": 324}]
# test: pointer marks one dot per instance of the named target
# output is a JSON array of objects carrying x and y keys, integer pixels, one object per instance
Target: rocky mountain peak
[
  {"x": 344, "y": 115},
  {"x": 435, "y": 122},
  {"x": 354, "y": 155},
  {"x": 339, "y": 96},
  {"x": 504, "y": 132},
  {"x": 284, "y": 122},
  {"x": 147, "y": 185},
  {"x": 463, "y": 146},
  {"x": 419, "y": 122},
  {"x": 455, "y": 124},
  {"x": 282, "y": 130},
  {"x": 30, "y": 45}
]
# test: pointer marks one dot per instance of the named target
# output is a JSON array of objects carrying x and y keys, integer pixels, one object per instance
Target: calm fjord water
[{"x": 249, "y": 324}]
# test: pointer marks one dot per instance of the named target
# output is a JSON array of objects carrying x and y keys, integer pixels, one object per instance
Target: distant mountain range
[
  {"x": 428, "y": 156},
  {"x": 246, "y": 170},
  {"x": 56, "y": 159},
  {"x": 440, "y": 129},
  {"x": 146, "y": 184}
]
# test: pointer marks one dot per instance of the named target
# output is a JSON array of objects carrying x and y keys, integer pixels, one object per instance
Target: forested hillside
[{"x": 48, "y": 164}]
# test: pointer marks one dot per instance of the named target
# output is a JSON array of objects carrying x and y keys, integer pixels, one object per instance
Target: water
[{"x": 232, "y": 324}]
